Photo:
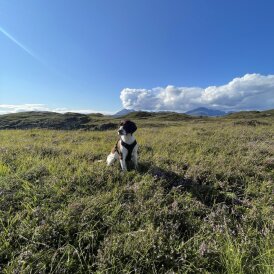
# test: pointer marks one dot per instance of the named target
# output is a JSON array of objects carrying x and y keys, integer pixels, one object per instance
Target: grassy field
[{"x": 201, "y": 201}]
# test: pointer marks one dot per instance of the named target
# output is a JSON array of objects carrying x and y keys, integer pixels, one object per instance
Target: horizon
[
  {"x": 86, "y": 112},
  {"x": 100, "y": 56}
]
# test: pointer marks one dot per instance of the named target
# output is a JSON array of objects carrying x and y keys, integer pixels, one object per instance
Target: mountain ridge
[
  {"x": 123, "y": 112},
  {"x": 202, "y": 111}
]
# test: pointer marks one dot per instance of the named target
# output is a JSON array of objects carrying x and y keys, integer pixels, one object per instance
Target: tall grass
[{"x": 201, "y": 201}]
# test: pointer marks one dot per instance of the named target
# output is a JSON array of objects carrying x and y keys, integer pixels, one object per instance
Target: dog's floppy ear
[
  {"x": 132, "y": 127},
  {"x": 129, "y": 126}
]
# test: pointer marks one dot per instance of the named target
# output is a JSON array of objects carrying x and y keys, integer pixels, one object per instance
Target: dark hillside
[{"x": 51, "y": 120}]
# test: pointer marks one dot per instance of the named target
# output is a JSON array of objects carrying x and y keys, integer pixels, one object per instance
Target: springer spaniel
[{"x": 126, "y": 147}]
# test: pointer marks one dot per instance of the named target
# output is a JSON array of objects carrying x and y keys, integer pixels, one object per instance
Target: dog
[{"x": 126, "y": 147}]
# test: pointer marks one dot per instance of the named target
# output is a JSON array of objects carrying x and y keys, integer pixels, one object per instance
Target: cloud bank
[
  {"x": 6, "y": 109},
  {"x": 252, "y": 91}
]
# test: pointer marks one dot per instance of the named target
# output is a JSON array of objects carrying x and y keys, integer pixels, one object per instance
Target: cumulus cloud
[
  {"x": 5, "y": 109},
  {"x": 252, "y": 91}
]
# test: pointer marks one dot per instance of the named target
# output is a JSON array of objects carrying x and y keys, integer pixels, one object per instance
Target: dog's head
[{"x": 127, "y": 127}]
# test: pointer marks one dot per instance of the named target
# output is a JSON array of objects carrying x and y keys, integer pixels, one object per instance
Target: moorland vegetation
[{"x": 200, "y": 202}]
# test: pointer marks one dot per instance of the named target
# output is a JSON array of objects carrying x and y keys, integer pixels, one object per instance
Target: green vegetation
[
  {"x": 52, "y": 120},
  {"x": 252, "y": 114},
  {"x": 201, "y": 201}
]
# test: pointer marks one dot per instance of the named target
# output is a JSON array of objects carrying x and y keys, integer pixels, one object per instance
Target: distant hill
[
  {"x": 138, "y": 114},
  {"x": 123, "y": 112},
  {"x": 163, "y": 115},
  {"x": 43, "y": 119},
  {"x": 251, "y": 114},
  {"x": 205, "y": 112}
]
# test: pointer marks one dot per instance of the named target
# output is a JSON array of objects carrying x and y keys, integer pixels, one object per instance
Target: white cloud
[
  {"x": 5, "y": 109},
  {"x": 252, "y": 91}
]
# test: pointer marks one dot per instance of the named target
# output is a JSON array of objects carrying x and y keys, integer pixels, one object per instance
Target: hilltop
[{"x": 123, "y": 112}]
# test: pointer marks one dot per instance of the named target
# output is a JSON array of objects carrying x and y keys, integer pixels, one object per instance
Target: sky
[{"x": 105, "y": 55}]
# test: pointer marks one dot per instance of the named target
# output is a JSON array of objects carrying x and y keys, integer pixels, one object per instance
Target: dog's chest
[
  {"x": 129, "y": 148},
  {"x": 124, "y": 149}
]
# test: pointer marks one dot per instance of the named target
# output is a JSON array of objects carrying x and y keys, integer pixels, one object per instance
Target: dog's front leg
[
  {"x": 135, "y": 160},
  {"x": 123, "y": 164},
  {"x": 134, "y": 157}
]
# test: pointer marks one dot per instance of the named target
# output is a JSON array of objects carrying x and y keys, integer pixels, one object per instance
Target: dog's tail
[{"x": 112, "y": 157}]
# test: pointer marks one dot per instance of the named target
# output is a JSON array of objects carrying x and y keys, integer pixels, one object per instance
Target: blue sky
[{"x": 103, "y": 55}]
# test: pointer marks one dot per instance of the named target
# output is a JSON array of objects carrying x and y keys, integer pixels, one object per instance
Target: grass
[{"x": 201, "y": 201}]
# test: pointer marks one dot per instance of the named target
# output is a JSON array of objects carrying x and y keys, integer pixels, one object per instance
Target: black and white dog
[{"x": 126, "y": 147}]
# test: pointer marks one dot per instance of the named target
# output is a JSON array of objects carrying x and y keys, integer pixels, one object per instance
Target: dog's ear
[{"x": 130, "y": 127}]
